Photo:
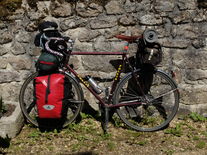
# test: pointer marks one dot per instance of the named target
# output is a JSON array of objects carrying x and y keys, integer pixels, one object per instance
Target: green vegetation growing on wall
[
  {"x": 32, "y": 3},
  {"x": 7, "y": 7}
]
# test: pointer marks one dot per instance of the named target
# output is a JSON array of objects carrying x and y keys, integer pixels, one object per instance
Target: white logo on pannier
[{"x": 48, "y": 107}]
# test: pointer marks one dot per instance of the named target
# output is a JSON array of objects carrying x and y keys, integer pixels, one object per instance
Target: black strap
[{"x": 48, "y": 89}]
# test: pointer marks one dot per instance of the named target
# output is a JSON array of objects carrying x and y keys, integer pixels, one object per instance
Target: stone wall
[{"x": 181, "y": 24}]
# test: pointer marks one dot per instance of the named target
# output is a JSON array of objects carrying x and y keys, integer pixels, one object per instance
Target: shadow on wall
[
  {"x": 116, "y": 63},
  {"x": 202, "y": 4}
]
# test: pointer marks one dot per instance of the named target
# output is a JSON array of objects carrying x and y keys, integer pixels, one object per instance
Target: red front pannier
[{"x": 51, "y": 96}]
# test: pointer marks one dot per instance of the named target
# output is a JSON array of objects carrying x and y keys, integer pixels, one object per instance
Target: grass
[
  {"x": 197, "y": 117},
  {"x": 176, "y": 131},
  {"x": 201, "y": 144},
  {"x": 142, "y": 143},
  {"x": 184, "y": 135}
]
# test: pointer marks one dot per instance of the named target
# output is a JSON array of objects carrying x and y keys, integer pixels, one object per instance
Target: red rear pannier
[{"x": 51, "y": 96}]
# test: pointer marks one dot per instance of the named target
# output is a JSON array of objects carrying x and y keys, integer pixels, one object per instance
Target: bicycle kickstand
[{"x": 105, "y": 117}]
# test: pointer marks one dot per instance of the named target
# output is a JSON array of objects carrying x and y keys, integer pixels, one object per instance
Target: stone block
[
  {"x": 31, "y": 26},
  {"x": 73, "y": 22},
  {"x": 18, "y": 48},
  {"x": 10, "y": 91},
  {"x": 4, "y": 49},
  {"x": 60, "y": 9},
  {"x": 23, "y": 37},
  {"x": 127, "y": 20},
  {"x": 100, "y": 63},
  {"x": 3, "y": 63},
  {"x": 203, "y": 28},
  {"x": 174, "y": 43},
  {"x": 5, "y": 37},
  {"x": 11, "y": 126},
  {"x": 164, "y": 6},
  {"x": 199, "y": 43},
  {"x": 82, "y": 46},
  {"x": 151, "y": 19},
  {"x": 193, "y": 95},
  {"x": 187, "y": 31},
  {"x": 20, "y": 62},
  {"x": 195, "y": 74},
  {"x": 8, "y": 76},
  {"x": 114, "y": 7},
  {"x": 109, "y": 33},
  {"x": 190, "y": 59},
  {"x": 90, "y": 10},
  {"x": 102, "y": 45},
  {"x": 75, "y": 60},
  {"x": 103, "y": 22},
  {"x": 187, "y": 4},
  {"x": 181, "y": 17},
  {"x": 130, "y": 6},
  {"x": 83, "y": 34},
  {"x": 200, "y": 16},
  {"x": 187, "y": 109}
]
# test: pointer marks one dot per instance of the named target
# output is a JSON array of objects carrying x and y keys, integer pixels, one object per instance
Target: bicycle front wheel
[
  {"x": 29, "y": 109},
  {"x": 157, "y": 99}
]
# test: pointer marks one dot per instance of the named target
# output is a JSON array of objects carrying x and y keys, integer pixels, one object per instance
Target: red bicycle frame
[{"x": 115, "y": 81}]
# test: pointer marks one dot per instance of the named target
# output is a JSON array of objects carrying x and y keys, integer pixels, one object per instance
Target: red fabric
[
  {"x": 53, "y": 108},
  {"x": 47, "y": 63}
]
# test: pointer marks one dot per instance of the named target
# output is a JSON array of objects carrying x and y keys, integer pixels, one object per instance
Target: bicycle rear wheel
[
  {"x": 155, "y": 109},
  {"x": 29, "y": 109}
]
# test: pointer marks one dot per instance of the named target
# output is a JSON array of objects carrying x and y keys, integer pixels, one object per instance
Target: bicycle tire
[
  {"x": 28, "y": 107},
  {"x": 151, "y": 115}
]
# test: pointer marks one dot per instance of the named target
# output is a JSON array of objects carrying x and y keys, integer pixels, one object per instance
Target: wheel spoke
[
  {"x": 157, "y": 106},
  {"x": 29, "y": 109}
]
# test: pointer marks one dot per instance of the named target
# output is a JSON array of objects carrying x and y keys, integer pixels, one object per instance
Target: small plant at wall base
[
  {"x": 6, "y": 110},
  {"x": 197, "y": 117},
  {"x": 1, "y": 107}
]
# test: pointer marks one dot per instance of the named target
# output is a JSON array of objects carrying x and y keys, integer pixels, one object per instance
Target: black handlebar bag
[{"x": 48, "y": 29}]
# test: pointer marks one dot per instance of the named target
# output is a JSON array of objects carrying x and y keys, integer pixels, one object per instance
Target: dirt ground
[{"x": 185, "y": 135}]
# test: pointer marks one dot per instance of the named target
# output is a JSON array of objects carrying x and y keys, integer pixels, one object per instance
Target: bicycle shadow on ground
[
  {"x": 47, "y": 125},
  {"x": 96, "y": 114},
  {"x": 84, "y": 153},
  {"x": 89, "y": 110}
]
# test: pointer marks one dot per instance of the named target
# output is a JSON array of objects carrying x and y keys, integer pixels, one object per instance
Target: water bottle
[{"x": 94, "y": 85}]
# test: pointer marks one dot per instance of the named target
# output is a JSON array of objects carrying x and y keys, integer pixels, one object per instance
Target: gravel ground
[{"x": 185, "y": 135}]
